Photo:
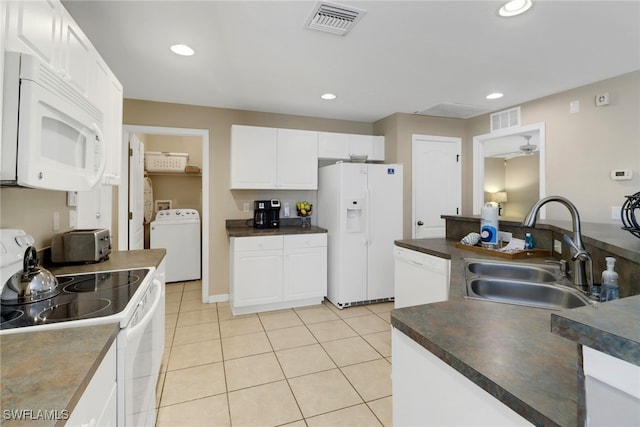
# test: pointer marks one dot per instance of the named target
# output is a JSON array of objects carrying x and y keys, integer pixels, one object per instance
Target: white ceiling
[{"x": 403, "y": 56}]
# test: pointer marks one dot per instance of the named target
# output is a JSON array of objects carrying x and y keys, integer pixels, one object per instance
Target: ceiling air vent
[
  {"x": 453, "y": 111},
  {"x": 334, "y": 18},
  {"x": 505, "y": 119}
]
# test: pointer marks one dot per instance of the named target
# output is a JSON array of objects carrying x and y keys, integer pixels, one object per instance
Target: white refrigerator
[{"x": 360, "y": 205}]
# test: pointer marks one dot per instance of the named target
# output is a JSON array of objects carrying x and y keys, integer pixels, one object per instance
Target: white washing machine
[{"x": 178, "y": 231}]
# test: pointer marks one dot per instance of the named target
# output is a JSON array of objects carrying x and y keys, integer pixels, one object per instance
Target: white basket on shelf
[{"x": 156, "y": 161}]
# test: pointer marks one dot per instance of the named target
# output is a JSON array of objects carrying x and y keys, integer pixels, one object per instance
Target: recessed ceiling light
[
  {"x": 328, "y": 96},
  {"x": 515, "y": 7},
  {"x": 182, "y": 49},
  {"x": 495, "y": 95}
]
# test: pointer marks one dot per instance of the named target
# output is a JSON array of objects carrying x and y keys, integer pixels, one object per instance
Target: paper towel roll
[{"x": 489, "y": 225}]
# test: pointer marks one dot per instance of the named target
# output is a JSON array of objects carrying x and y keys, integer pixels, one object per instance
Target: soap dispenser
[{"x": 609, "y": 290}]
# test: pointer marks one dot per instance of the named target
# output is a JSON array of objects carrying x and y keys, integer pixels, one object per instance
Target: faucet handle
[{"x": 564, "y": 266}]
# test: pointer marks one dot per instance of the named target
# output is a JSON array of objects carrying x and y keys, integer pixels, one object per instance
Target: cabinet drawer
[
  {"x": 259, "y": 243},
  {"x": 298, "y": 241}
]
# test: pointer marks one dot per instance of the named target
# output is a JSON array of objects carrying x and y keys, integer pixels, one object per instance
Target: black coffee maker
[{"x": 266, "y": 213}]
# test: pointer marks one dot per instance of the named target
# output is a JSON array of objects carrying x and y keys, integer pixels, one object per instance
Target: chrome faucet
[{"x": 579, "y": 255}]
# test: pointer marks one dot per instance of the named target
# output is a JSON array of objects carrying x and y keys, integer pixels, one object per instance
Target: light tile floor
[{"x": 312, "y": 366}]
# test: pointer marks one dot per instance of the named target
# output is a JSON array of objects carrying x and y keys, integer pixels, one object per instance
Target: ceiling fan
[{"x": 527, "y": 149}]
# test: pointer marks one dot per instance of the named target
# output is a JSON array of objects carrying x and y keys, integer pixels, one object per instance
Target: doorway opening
[
  {"x": 509, "y": 169},
  {"x": 123, "y": 193}
]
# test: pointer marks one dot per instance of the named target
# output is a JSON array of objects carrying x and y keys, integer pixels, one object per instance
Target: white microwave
[{"x": 51, "y": 134}]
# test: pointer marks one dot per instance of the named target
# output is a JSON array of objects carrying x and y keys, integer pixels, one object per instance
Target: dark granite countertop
[
  {"x": 49, "y": 370},
  {"x": 511, "y": 351},
  {"x": 240, "y": 228},
  {"x": 507, "y": 350},
  {"x": 614, "y": 328},
  {"x": 119, "y": 260}
]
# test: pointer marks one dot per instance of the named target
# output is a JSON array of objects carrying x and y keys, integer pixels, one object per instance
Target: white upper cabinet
[
  {"x": 77, "y": 53},
  {"x": 340, "y": 146},
  {"x": 270, "y": 158},
  {"x": 297, "y": 159},
  {"x": 34, "y": 27}
]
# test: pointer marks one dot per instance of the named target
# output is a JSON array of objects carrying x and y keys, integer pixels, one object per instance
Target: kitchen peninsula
[{"x": 500, "y": 352}]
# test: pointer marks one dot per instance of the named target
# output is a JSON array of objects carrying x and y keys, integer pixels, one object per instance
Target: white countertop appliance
[
  {"x": 51, "y": 134},
  {"x": 360, "y": 205},
  {"x": 133, "y": 298}
]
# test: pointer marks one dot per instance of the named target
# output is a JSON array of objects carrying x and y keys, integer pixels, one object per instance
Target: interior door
[
  {"x": 136, "y": 193},
  {"x": 437, "y": 183}
]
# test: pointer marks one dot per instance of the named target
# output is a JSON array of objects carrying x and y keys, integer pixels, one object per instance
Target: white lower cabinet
[
  {"x": 419, "y": 278},
  {"x": 428, "y": 392},
  {"x": 277, "y": 272},
  {"x": 98, "y": 404}
]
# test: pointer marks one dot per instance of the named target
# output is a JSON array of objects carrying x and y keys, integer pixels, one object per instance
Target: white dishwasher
[{"x": 419, "y": 278}]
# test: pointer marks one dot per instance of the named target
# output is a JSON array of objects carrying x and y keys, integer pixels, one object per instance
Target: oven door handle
[{"x": 139, "y": 325}]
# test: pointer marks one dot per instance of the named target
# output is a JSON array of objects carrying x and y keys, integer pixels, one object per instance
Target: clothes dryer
[{"x": 178, "y": 231}]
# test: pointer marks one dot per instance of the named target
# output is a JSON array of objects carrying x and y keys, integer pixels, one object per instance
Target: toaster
[{"x": 81, "y": 246}]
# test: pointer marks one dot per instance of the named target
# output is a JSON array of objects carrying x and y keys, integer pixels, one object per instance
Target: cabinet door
[
  {"x": 253, "y": 157},
  {"x": 297, "y": 160},
  {"x": 77, "y": 55},
  {"x": 377, "y": 152},
  {"x": 305, "y": 273},
  {"x": 97, "y": 405},
  {"x": 34, "y": 27},
  {"x": 94, "y": 207},
  {"x": 257, "y": 277},
  {"x": 333, "y": 145},
  {"x": 361, "y": 145},
  {"x": 113, "y": 131}
]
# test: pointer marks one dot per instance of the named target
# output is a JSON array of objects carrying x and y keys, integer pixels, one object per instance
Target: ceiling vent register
[
  {"x": 505, "y": 119},
  {"x": 334, "y": 18}
]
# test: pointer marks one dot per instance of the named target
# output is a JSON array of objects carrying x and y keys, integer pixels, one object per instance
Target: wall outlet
[
  {"x": 245, "y": 207},
  {"x": 287, "y": 211},
  {"x": 557, "y": 246},
  {"x": 615, "y": 212},
  {"x": 602, "y": 99}
]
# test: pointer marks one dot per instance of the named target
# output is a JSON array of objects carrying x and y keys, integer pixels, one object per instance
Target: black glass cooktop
[{"x": 82, "y": 296}]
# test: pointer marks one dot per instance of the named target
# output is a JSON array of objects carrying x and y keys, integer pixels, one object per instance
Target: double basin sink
[{"x": 519, "y": 283}]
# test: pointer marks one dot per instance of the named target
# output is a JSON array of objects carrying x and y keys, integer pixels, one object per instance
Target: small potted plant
[{"x": 304, "y": 212}]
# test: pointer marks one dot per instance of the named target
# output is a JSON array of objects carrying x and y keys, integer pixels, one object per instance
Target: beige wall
[
  {"x": 224, "y": 203},
  {"x": 399, "y": 130},
  {"x": 581, "y": 148}
]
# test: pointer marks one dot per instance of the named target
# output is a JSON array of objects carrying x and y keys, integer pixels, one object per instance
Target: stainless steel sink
[
  {"x": 543, "y": 295},
  {"x": 515, "y": 271},
  {"x": 528, "y": 284}
]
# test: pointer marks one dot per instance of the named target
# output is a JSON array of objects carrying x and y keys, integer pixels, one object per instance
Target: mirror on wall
[{"x": 509, "y": 170}]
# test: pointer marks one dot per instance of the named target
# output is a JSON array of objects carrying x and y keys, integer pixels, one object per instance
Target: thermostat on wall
[{"x": 621, "y": 174}]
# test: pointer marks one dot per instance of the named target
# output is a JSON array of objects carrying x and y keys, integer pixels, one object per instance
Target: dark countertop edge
[
  {"x": 429, "y": 251},
  {"x": 604, "y": 241},
  {"x": 119, "y": 260},
  {"x": 280, "y": 231},
  {"x": 581, "y": 326},
  {"x": 520, "y": 407}
]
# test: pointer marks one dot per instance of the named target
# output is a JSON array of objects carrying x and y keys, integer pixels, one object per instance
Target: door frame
[
  {"x": 436, "y": 138},
  {"x": 123, "y": 203},
  {"x": 478, "y": 162}
]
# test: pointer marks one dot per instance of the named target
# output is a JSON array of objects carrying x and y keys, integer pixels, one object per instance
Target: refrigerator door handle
[{"x": 369, "y": 214}]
